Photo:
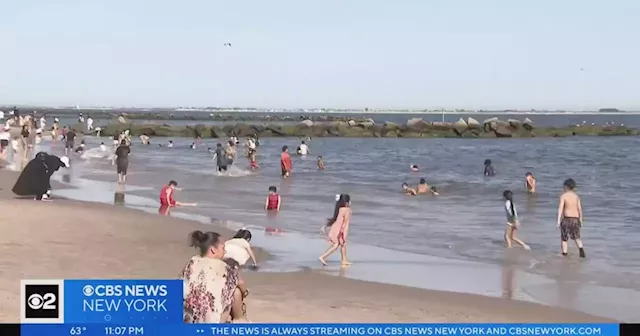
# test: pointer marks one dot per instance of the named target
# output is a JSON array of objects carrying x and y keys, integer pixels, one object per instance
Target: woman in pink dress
[{"x": 338, "y": 230}]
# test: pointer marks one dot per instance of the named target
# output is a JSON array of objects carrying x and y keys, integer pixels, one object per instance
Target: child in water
[
  {"x": 488, "y": 168},
  {"x": 530, "y": 182},
  {"x": 408, "y": 190},
  {"x": 273, "y": 199},
  {"x": 253, "y": 164},
  {"x": 413, "y": 167},
  {"x": 513, "y": 224},
  {"x": 320, "y": 163}
]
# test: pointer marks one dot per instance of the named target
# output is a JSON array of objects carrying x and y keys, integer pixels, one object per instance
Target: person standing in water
[
  {"x": 488, "y": 168},
  {"x": 304, "y": 149},
  {"x": 530, "y": 183},
  {"x": 424, "y": 188},
  {"x": 231, "y": 153},
  {"x": 285, "y": 162},
  {"x": 221, "y": 158},
  {"x": 570, "y": 218},
  {"x": 70, "y": 141},
  {"x": 339, "y": 230},
  {"x": 513, "y": 223},
  {"x": 122, "y": 161},
  {"x": 273, "y": 199}
]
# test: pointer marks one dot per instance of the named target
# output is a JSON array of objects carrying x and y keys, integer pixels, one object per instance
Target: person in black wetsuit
[{"x": 122, "y": 161}]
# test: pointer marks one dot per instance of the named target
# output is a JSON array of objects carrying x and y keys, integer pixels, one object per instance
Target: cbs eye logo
[{"x": 41, "y": 301}]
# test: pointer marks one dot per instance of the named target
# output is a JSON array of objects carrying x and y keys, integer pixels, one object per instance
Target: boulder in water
[
  {"x": 502, "y": 130},
  {"x": 528, "y": 124},
  {"x": 352, "y": 123},
  {"x": 307, "y": 122},
  {"x": 514, "y": 123},
  {"x": 122, "y": 120},
  {"x": 473, "y": 124}
]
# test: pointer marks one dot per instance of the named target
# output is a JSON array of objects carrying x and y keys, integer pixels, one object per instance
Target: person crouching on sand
[
  {"x": 239, "y": 249},
  {"x": 513, "y": 224},
  {"x": 530, "y": 183},
  {"x": 339, "y": 230},
  {"x": 167, "y": 201},
  {"x": 211, "y": 285}
]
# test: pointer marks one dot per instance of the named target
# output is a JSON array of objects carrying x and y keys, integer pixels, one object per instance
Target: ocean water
[{"x": 392, "y": 233}]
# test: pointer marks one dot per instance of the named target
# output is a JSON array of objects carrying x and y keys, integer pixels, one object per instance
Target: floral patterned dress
[{"x": 208, "y": 289}]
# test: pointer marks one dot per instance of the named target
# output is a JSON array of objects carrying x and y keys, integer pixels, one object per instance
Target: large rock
[
  {"x": 514, "y": 123},
  {"x": 307, "y": 122},
  {"x": 415, "y": 122},
  {"x": 528, "y": 124},
  {"x": 352, "y": 122},
  {"x": 473, "y": 124},
  {"x": 486, "y": 124},
  {"x": 503, "y": 130}
]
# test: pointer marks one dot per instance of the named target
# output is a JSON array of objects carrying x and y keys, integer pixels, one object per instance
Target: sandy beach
[{"x": 72, "y": 239}]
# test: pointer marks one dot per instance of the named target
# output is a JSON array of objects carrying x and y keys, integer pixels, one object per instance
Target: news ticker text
[{"x": 321, "y": 329}]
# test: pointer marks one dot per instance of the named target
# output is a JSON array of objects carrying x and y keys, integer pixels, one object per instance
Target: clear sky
[{"x": 329, "y": 53}]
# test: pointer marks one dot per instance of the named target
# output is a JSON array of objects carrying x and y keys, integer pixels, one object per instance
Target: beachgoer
[
  {"x": 423, "y": 187},
  {"x": 89, "y": 124},
  {"x": 5, "y": 138},
  {"x": 570, "y": 218},
  {"x": 273, "y": 199},
  {"x": 170, "y": 144},
  {"x": 304, "y": 149},
  {"x": 238, "y": 313},
  {"x": 166, "y": 198},
  {"x": 210, "y": 284},
  {"x": 234, "y": 138},
  {"x": 122, "y": 161},
  {"x": 230, "y": 153},
  {"x": 530, "y": 182},
  {"x": 103, "y": 148},
  {"x": 54, "y": 130},
  {"x": 408, "y": 190},
  {"x": 253, "y": 164},
  {"x": 513, "y": 223},
  {"x": 434, "y": 190},
  {"x": 34, "y": 180},
  {"x": 193, "y": 145},
  {"x": 220, "y": 157},
  {"x": 339, "y": 230},
  {"x": 80, "y": 118},
  {"x": 320, "y": 163},
  {"x": 144, "y": 139},
  {"x": 81, "y": 148},
  {"x": 488, "y": 168},
  {"x": 285, "y": 162},
  {"x": 413, "y": 167},
  {"x": 70, "y": 141},
  {"x": 239, "y": 249},
  {"x": 53, "y": 164}
]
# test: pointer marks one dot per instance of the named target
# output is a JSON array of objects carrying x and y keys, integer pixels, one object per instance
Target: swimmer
[
  {"x": 530, "y": 182},
  {"x": 209, "y": 150},
  {"x": 423, "y": 188},
  {"x": 513, "y": 224},
  {"x": 273, "y": 199},
  {"x": 170, "y": 144},
  {"x": 304, "y": 149},
  {"x": 434, "y": 190},
  {"x": 488, "y": 168},
  {"x": 413, "y": 167},
  {"x": 103, "y": 148},
  {"x": 285, "y": 162},
  {"x": 80, "y": 148},
  {"x": 408, "y": 190},
  {"x": 320, "y": 163},
  {"x": 193, "y": 145}
]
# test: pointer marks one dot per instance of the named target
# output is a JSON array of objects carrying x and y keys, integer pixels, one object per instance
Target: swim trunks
[
  {"x": 69, "y": 144},
  {"x": 570, "y": 228},
  {"x": 121, "y": 165}
]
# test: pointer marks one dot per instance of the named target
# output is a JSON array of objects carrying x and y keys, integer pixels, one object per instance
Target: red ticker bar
[{"x": 7, "y": 329}]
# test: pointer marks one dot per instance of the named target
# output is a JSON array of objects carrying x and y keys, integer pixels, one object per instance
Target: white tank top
[{"x": 236, "y": 249}]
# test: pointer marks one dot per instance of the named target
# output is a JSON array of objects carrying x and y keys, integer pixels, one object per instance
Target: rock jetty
[{"x": 413, "y": 128}]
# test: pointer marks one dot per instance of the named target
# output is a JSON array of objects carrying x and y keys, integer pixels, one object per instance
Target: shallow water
[{"x": 465, "y": 223}]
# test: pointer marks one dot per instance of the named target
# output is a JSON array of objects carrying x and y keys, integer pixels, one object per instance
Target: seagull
[{"x": 227, "y": 44}]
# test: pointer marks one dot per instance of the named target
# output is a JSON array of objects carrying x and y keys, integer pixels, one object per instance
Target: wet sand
[{"x": 72, "y": 239}]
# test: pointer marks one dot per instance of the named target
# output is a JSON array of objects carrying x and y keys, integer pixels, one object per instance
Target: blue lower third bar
[{"x": 321, "y": 329}]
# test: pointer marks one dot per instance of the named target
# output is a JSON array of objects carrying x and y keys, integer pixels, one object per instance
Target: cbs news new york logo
[{"x": 42, "y": 301}]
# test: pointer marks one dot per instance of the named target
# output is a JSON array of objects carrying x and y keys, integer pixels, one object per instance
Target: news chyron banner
[{"x": 101, "y": 301}]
